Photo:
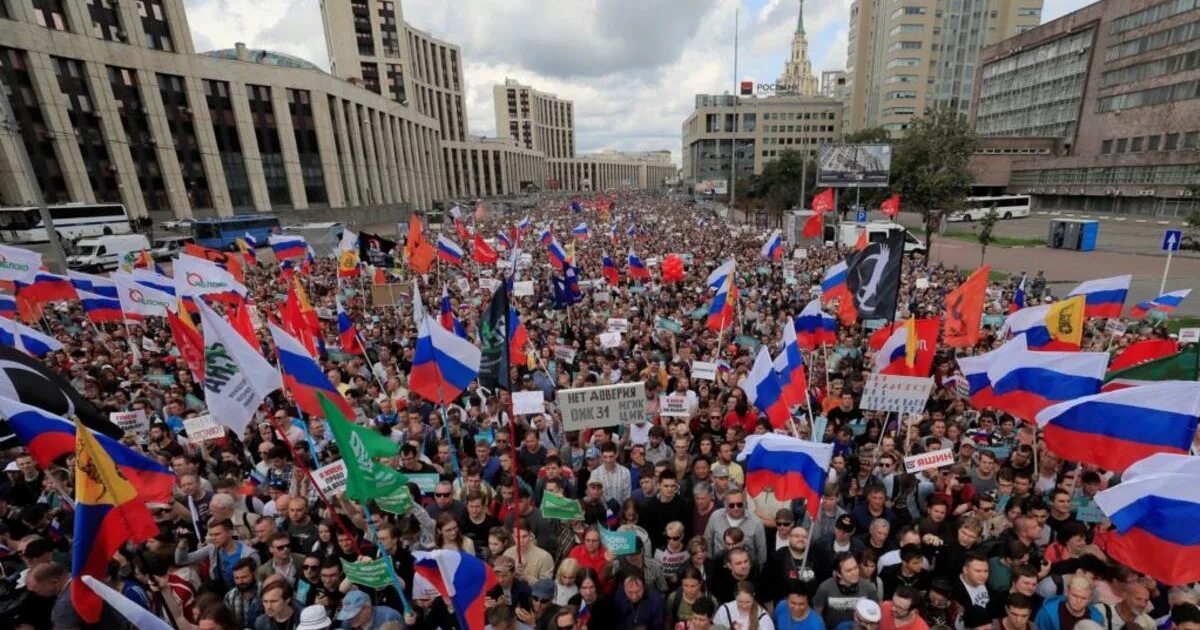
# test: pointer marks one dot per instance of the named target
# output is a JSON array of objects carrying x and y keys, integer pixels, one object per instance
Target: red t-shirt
[{"x": 888, "y": 622}]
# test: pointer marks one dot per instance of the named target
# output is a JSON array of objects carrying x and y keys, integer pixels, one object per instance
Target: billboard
[
  {"x": 853, "y": 165},
  {"x": 712, "y": 187}
]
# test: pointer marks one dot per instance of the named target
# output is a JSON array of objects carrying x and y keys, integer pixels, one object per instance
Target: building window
[
  {"x": 1191, "y": 140},
  {"x": 1029, "y": 12},
  {"x": 1150, "y": 15},
  {"x": 142, "y": 147},
  {"x": 229, "y": 144},
  {"x": 904, "y": 46},
  {"x": 395, "y": 77},
  {"x": 305, "y": 130},
  {"x": 262, "y": 115},
  {"x": 102, "y": 173},
  {"x": 181, "y": 122},
  {"x": 1154, "y": 96},
  {"x": 1135, "y": 145},
  {"x": 154, "y": 25},
  {"x": 1106, "y": 147},
  {"x": 1153, "y": 41},
  {"x": 363, "y": 32},
  {"x": 1122, "y": 143},
  {"x": 1153, "y": 142},
  {"x": 37, "y": 137},
  {"x": 106, "y": 23},
  {"x": 50, "y": 14},
  {"x": 1172, "y": 142},
  {"x": 370, "y": 76}
]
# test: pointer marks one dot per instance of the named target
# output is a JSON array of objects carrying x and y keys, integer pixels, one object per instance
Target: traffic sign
[
  {"x": 1171, "y": 239},
  {"x": 860, "y": 216}
]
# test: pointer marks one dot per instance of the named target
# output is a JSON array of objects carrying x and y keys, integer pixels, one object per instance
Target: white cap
[
  {"x": 868, "y": 611},
  {"x": 314, "y": 618}
]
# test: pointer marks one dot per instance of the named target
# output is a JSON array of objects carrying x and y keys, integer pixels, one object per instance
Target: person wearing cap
[
  {"x": 866, "y": 617},
  {"x": 358, "y": 613},
  {"x": 722, "y": 482},
  {"x": 823, "y": 551},
  {"x": 542, "y": 607},
  {"x": 837, "y": 597},
  {"x": 314, "y": 618}
]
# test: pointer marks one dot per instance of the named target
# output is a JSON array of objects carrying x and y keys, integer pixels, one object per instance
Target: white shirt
[{"x": 729, "y": 613}]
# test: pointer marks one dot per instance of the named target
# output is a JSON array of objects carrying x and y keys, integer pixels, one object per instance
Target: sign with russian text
[
  {"x": 331, "y": 478},
  {"x": 932, "y": 459},
  {"x": 131, "y": 421},
  {"x": 901, "y": 394},
  {"x": 590, "y": 407},
  {"x": 705, "y": 370},
  {"x": 673, "y": 406},
  {"x": 564, "y": 353},
  {"x": 369, "y": 573},
  {"x": 203, "y": 428},
  {"x": 610, "y": 339},
  {"x": 525, "y": 403}
]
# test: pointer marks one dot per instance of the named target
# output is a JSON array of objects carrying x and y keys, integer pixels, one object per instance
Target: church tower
[{"x": 797, "y": 77}]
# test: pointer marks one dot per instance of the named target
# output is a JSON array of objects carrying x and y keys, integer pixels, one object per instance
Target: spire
[{"x": 800, "y": 19}]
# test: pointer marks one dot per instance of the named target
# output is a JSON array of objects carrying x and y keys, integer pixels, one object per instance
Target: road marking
[
  {"x": 1104, "y": 217},
  {"x": 1139, "y": 220},
  {"x": 1120, "y": 219},
  {"x": 1164, "y": 222}
]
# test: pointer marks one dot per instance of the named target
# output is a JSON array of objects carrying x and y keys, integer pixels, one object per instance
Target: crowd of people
[{"x": 1003, "y": 538}]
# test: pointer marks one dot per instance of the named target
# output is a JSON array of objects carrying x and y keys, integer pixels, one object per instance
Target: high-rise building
[
  {"x": 1113, "y": 91},
  {"x": 906, "y": 56},
  {"x": 797, "y": 77},
  {"x": 537, "y": 120},
  {"x": 833, "y": 84}
]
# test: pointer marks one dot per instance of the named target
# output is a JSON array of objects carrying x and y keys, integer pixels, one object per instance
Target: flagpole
[{"x": 396, "y": 584}]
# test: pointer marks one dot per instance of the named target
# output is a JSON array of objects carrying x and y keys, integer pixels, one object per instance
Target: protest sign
[
  {"x": 563, "y": 509},
  {"x": 1115, "y": 327},
  {"x": 150, "y": 345},
  {"x": 704, "y": 370},
  {"x": 202, "y": 428},
  {"x": 590, "y": 407},
  {"x": 331, "y": 478},
  {"x": 668, "y": 324},
  {"x": 463, "y": 285},
  {"x": 529, "y": 402},
  {"x": 618, "y": 324},
  {"x": 610, "y": 339},
  {"x": 673, "y": 406},
  {"x": 564, "y": 353},
  {"x": 398, "y": 503},
  {"x": 1090, "y": 513},
  {"x": 324, "y": 313},
  {"x": 1189, "y": 335},
  {"x": 522, "y": 288},
  {"x": 135, "y": 421},
  {"x": 800, "y": 253},
  {"x": 620, "y": 543},
  {"x": 369, "y": 573},
  {"x": 902, "y": 394},
  {"x": 932, "y": 459},
  {"x": 602, "y": 297},
  {"x": 426, "y": 482}
]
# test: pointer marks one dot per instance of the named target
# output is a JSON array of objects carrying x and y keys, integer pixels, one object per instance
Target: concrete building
[
  {"x": 111, "y": 103},
  {"x": 611, "y": 170},
  {"x": 797, "y": 77},
  {"x": 1116, "y": 86},
  {"x": 905, "y": 57},
  {"x": 833, "y": 85},
  {"x": 762, "y": 128},
  {"x": 537, "y": 120}
]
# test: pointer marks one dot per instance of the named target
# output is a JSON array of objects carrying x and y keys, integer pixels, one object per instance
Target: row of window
[
  {"x": 1154, "y": 41},
  {"x": 106, "y": 21},
  {"x": 1154, "y": 96},
  {"x": 1175, "y": 174},
  {"x": 1185, "y": 141},
  {"x": 799, "y": 116},
  {"x": 797, "y": 128},
  {"x": 1140, "y": 71},
  {"x": 1151, "y": 15},
  {"x": 798, "y": 140}
]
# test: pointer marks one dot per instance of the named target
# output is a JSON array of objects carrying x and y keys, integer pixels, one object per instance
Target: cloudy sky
[{"x": 631, "y": 66}]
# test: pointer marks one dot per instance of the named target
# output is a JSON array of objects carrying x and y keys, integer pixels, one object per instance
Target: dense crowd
[{"x": 1002, "y": 538}]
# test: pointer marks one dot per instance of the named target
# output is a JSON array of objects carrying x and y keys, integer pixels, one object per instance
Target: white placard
[
  {"x": 150, "y": 345},
  {"x": 590, "y": 407},
  {"x": 932, "y": 459},
  {"x": 324, "y": 313},
  {"x": 601, "y": 297},
  {"x": 1115, "y": 327},
  {"x": 610, "y": 339},
  {"x": 673, "y": 406},
  {"x": 203, "y": 428},
  {"x": 564, "y": 353},
  {"x": 922, "y": 283},
  {"x": 331, "y": 478},
  {"x": 704, "y": 370},
  {"x": 529, "y": 402},
  {"x": 524, "y": 260},
  {"x": 463, "y": 285},
  {"x": 521, "y": 288},
  {"x": 902, "y": 394},
  {"x": 800, "y": 253},
  {"x": 1189, "y": 335},
  {"x": 131, "y": 421},
  {"x": 488, "y": 284},
  {"x": 618, "y": 324}
]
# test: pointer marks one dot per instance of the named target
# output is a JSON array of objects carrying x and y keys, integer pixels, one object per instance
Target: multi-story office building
[
  {"x": 761, "y": 128},
  {"x": 909, "y": 55},
  {"x": 833, "y": 84},
  {"x": 536, "y": 120},
  {"x": 111, "y": 103},
  {"x": 1116, "y": 86},
  {"x": 611, "y": 170}
]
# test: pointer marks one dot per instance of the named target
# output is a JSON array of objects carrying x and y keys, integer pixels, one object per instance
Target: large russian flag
[
  {"x": 609, "y": 271},
  {"x": 789, "y": 366},
  {"x": 448, "y": 250},
  {"x": 720, "y": 311},
  {"x": 718, "y": 275},
  {"x": 93, "y": 284},
  {"x": 637, "y": 268},
  {"x": 792, "y": 468},
  {"x": 974, "y": 369},
  {"x": 1155, "y": 516},
  {"x": 558, "y": 255},
  {"x": 814, "y": 327},
  {"x": 1057, "y": 326},
  {"x": 443, "y": 364},
  {"x": 446, "y": 317},
  {"x": 1104, "y": 297},
  {"x": 581, "y": 231},
  {"x": 101, "y": 309},
  {"x": 8, "y": 306},
  {"x": 1165, "y": 304},
  {"x": 764, "y": 391},
  {"x": 302, "y": 377},
  {"x": 288, "y": 247},
  {"x": 833, "y": 284},
  {"x": 49, "y": 437},
  {"x": 773, "y": 248},
  {"x": 1114, "y": 429},
  {"x": 46, "y": 287},
  {"x": 461, "y": 577},
  {"x": 22, "y": 337},
  {"x": 1025, "y": 382}
]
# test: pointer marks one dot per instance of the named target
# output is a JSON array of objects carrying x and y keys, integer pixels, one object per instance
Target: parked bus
[
  {"x": 1005, "y": 206},
  {"x": 72, "y": 221},
  {"x": 222, "y": 233}
]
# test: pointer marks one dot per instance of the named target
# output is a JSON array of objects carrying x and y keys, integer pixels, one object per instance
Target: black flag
[
  {"x": 376, "y": 250},
  {"x": 873, "y": 277},
  {"x": 25, "y": 379},
  {"x": 493, "y": 335}
]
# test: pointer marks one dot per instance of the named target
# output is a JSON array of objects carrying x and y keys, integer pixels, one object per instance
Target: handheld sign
[
  {"x": 704, "y": 370},
  {"x": 901, "y": 394},
  {"x": 564, "y": 353},
  {"x": 1189, "y": 335},
  {"x": 529, "y": 402},
  {"x": 135, "y": 421},
  {"x": 932, "y": 459},
  {"x": 620, "y": 543},
  {"x": 369, "y": 573},
  {"x": 590, "y": 407},
  {"x": 523, "y": 288},
  {"x": 610, "y": 340},
  {"x": 331, "y": 478},
  {"x": 203, "y": 428},
  {"x": 673, "y": 406}
]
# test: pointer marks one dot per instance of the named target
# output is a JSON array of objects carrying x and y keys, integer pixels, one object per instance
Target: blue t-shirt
[{"x": 783, "y": 619}]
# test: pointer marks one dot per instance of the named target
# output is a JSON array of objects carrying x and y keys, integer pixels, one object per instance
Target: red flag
[
  {"x": 847, "y": 314},
  {"x": 861, "y": 243},
  {"x": 228, "y": 261},
  {"x": 380, "y": 276},
  {"x": 187, "y": 340},
  {"x": 891, "y": 206},
  {"x": 823, "y": 201},
  {"x": 482, "y": 252},
  {"x": 1143, "y": 351},
  {"x": 879, "y": 337},
  {"x": 463, "y": 233},
  {"x": 964, "y": 310},
  {"x": 239, "y": 317},
  {"x": 813, "y": 226}
]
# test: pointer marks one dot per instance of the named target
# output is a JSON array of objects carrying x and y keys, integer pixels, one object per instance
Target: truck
[
  {"x": 104, "y": 253},
  {"x": 848, "y": 234}
]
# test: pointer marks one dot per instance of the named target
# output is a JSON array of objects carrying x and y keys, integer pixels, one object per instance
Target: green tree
[
  {"x": 870, "y": 135},
  {"x": 983, "y": 233},
  {"x": 778, "y": 187},
  {"x": 930, "y": 167}
]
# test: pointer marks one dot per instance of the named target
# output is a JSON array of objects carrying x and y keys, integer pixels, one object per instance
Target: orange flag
[
  {"x": 861, "y": 243},
  {"x": 188, "y": 340},
  {"x": 417, "y": 250},
  {"x": 964, "y": 310}
]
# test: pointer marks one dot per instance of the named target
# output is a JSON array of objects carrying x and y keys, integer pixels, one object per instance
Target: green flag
[
  {"x": 398, "y": 503},
  {"x": 371, "y": 573},
  {"x": 366, "y": 479},
  {"x": 563, "y": 509},
  {"x": 1181, "y": 366}
]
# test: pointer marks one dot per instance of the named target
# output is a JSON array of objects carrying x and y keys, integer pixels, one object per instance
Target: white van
[
  {"x": 878, "y": 231},
  {"x": 103, "y": 253}
]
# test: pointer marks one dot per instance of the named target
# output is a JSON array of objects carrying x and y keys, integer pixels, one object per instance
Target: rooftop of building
[{"x": 265, "y": 57}]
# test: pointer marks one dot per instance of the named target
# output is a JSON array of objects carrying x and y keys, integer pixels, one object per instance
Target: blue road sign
[
  {"x": 1171, "y": 239},
  {"x": 860, "y": 216}
]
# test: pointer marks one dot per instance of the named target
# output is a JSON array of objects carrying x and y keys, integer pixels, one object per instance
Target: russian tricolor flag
[
  {"x": 347, "y": 333},
  {"x": 1104, "y": 297},
  {"x": 1025, "y": 382},
  {"x": 718, "y": 275},
  {"x": 1057, "y": 326},
  {"x": 1018, "y": 301},
  {"x": 22, "y": 337},
  {"x": 764, "y": 391},
  {"x": 524, "y": 225},
  {"x": 773, "y": 248},
  {"x": 791, "y": 467},
  {"x": 637, "y": 268},
  {"x": 720, "y": 311},
  {"x": 443, "y": 363},
  {"x": 101, "y": 309},
  {"x": 974, "y": 369},
  {"x": 447, "y": 319},
  {"x": 789, "y": 366},
  {"x": 448, "y": 250},
  {"x": 461, "y": 577},
  {"x": 288, "y": 247},
  {"x": 558, "y": 255},
  {"x": 503, "y": 239},
  {"x": 8, "y": 306},
  {"x": 610, "y": 271},
  {"x": 1114, "y": 429},
  {"x": 545, "y": 236},
  {"x": 814, "y": 327},
  {"x": 581, "y": 232},
  {"x": 46, "y": 287},
  {"x": 833, "y": 284},
  {"x": 93, "y": 284},
  {"x": 1165, "y": 304},
  {"x": 302, "y": 377}
]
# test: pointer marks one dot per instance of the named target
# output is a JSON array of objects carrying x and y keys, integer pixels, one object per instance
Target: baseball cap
[
  {"x": 353, "y": 604},
  {"x": 543, "y": 589},
  {"x": 720, "y": 470},
  {"x": 12, "y": 467},
  {"x": 314, "y": 618},
  {"x": 593, "y": 452},
  {"x": 845, "y": 523},
  {"x": 868, "y": 611}
]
